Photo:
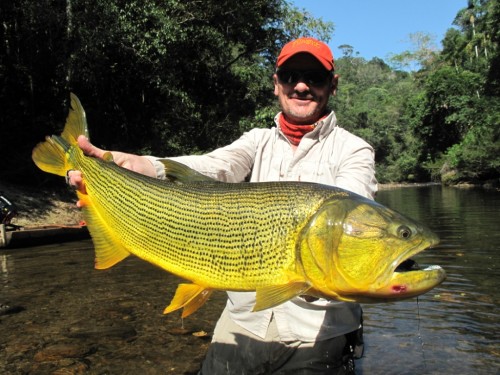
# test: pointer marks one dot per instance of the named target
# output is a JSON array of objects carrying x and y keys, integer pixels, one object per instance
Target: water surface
[{"x": 454, "y": 328}]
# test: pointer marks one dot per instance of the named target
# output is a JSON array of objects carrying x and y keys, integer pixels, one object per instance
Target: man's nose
[{"x": 301, "y": 86}]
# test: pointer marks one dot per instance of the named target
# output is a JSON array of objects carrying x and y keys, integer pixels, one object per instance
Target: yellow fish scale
[{"x": 220, "y": 235}]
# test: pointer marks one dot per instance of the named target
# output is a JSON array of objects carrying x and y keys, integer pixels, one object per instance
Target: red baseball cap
[{"x": 318, "y": 49}]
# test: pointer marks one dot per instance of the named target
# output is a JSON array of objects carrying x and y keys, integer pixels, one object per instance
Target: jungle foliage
[{"x": 174, "y": 77}]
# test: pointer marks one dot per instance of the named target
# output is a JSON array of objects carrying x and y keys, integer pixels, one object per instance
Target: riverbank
[{"x": 42, "y": 206}]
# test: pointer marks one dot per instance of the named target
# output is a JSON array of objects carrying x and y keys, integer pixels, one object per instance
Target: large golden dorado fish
[{"x": 280, "y": 239}]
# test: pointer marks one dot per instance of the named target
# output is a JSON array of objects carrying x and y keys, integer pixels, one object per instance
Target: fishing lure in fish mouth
[{"x": 280, "y": 240}]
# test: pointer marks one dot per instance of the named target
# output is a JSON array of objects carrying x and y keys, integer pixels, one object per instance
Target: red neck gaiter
[{"x": 294, "y": 132}]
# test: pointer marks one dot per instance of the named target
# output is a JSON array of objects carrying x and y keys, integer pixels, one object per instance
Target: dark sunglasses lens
[
  {"x": 315, "y": 77},
  {"x": 288, "y": 76},
  {"x": 310, "y": 77}
]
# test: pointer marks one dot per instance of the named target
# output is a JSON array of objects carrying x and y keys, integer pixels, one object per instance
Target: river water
[
  {"x": 64, "y": 317},
  {"x": 453, "y": 329}
]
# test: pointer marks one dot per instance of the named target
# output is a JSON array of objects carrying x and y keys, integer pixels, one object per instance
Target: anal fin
[{"x": 190, "y": 297}]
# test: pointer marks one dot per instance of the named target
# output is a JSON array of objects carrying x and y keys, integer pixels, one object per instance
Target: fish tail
[
  {"x": 57, "y": 155},
  {"x": 53, "y": 155}
]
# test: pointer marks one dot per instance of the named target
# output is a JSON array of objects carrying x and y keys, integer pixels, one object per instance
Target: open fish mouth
[
  {"x": 408, "y": 265},
  {"x": 410, "y": 280}
]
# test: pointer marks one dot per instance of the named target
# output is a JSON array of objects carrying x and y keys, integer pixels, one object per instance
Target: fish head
[{"x": 351, "y": 249}]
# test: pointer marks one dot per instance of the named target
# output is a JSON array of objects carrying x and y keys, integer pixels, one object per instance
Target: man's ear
[
  {"x": 334, "y": 84},
  {"x": 275, "y": 81}
]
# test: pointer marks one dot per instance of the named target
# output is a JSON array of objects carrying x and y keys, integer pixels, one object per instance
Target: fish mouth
[
  {"x": 406, "y": 278},
  {"x": 410, "y": 280},
  {"x": 408, "y": 265}
]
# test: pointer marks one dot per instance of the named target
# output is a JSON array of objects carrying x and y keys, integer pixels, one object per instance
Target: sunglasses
[{"x": 317, "y": 77}]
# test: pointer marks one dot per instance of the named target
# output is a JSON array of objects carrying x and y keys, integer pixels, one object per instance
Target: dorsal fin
[{"x": 181, "y": 174}]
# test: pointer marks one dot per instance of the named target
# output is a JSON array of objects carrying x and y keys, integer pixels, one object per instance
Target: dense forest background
[{"x": 170, "y": 77}]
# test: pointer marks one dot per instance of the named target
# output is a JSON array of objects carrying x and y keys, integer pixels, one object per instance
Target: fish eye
[{"x": 404, "y": 232}]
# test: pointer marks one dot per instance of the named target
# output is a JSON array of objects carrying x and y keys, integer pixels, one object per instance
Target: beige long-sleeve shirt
[{"x": 327, "y": 155}]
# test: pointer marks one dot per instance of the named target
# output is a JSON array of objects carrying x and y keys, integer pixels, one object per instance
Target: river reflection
[{"x": 69, "y": 318}]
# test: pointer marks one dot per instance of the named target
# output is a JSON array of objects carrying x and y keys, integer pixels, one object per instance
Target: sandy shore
[{"x": 42, "y": 206}]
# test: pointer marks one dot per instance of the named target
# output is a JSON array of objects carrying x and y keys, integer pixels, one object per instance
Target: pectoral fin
[
  {"x": 190, "y": 297},
  {"x": 271, "y": 296}
]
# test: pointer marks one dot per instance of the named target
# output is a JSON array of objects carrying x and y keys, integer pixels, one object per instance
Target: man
[{"x": 304, "y": 335}]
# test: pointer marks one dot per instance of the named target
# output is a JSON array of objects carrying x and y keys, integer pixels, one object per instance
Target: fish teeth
[{"x": 433, "y": 267}]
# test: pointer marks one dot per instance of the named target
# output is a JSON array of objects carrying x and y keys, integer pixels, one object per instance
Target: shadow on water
[{"x": 66, "y": 317}]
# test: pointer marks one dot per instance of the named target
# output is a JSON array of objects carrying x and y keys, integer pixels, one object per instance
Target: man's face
[{"x": 303, "y": 103}]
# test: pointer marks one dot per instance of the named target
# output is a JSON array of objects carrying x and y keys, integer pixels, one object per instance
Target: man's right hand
[{"x": 133, "y": 162}]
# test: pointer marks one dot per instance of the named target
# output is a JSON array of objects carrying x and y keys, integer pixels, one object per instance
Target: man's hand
[{"x": 133, "y": 162}]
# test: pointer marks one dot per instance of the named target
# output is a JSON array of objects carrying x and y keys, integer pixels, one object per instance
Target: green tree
[
  {"x": 422, "y": 54},
  {"x": 471, "y": 153},
  {"x": 477, "y": 157},
  {"x": 492, "y": 26},
  {"x": 166, "y": 77},
  {"x": 371, "y": 102},
  {"x": 451, "y": 101}
]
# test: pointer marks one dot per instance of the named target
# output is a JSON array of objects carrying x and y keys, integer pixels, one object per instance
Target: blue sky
[{"x": 378, "y": 28}]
